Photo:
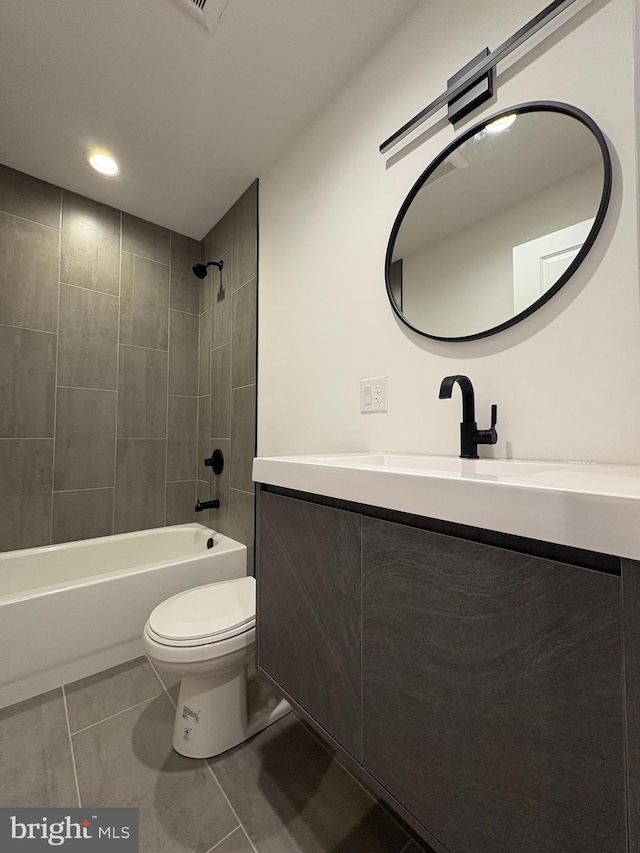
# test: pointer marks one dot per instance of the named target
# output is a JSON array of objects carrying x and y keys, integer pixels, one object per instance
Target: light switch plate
[{"x": 373, "y": 395}]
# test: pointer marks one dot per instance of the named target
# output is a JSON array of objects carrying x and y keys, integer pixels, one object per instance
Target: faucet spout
[
  {"x": 470, "y": 435},
  {"x": 468, "y": 398}
]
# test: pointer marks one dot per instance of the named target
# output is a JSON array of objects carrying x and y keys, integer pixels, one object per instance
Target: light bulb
[
  {"x": 501, "y": 124},
  {"x": 102, "y": 162}
]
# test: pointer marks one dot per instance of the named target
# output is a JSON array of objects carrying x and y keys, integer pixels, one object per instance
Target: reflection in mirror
[{"x": 498, "y": 222}]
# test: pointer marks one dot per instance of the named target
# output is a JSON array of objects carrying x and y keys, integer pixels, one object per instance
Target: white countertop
[{"x": 591, "y": 506}]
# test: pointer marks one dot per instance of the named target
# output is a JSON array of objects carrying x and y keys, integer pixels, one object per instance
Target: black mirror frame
[{"x": 530, "y": 106}]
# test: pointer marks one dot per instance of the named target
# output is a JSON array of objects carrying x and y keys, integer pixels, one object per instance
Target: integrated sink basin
[{"x": 583, "y": 505}]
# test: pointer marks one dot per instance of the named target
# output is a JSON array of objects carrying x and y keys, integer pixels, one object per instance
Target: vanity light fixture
[
  {"x": 102, "y": 162},
  {"x": 501, "y": 124},
  {"x": 473, "y": 84}
]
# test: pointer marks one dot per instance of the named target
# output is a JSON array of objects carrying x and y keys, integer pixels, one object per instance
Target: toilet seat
[{"x": 205, "y": 615}]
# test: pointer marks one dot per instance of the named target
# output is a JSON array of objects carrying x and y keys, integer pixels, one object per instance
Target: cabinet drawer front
[
  {"x": 309, "y": 610},
  {"x": 492, "y": 697}
]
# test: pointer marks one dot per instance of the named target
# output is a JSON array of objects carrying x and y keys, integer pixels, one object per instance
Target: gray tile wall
[
  {"x": 99, "y": 360},
  {"x": 227, "y": 367}
]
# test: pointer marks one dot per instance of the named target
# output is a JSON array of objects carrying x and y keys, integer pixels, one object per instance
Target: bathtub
[{"x": 71, "y": 610}]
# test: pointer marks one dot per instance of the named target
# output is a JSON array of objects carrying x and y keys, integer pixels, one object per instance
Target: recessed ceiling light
[
  {"x": 501, "y": 124},
  {"x": 102, "y": 162}
]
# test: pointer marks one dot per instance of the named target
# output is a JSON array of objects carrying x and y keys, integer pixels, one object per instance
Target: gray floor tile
[
  {"x": 128, "y": 761},
  {"x": 292, "y": 797},
  {"x": 236, "y": 843},
  {"x": 36, "y": 767},
  {"x": 98, "y": 696}
]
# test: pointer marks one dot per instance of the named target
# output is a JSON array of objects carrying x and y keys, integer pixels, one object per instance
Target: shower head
[{"x": 200, "y": 270}]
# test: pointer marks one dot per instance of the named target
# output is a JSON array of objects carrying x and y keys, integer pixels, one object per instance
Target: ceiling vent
[{"x": 206, "y": 12}]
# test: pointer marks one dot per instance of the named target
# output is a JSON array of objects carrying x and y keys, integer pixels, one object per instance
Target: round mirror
[{"x": 498, "y": 222}]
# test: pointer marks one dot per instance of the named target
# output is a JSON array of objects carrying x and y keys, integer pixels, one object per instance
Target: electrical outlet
[{"x": 373, "y": 395}]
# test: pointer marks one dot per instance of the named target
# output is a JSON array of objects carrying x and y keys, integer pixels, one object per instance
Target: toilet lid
[{"x": 205, "y": 612}]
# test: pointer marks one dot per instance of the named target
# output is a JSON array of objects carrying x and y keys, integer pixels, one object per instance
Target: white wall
[
  {"x": 567, "y": 379},
  {"x": 464, "y": 283}
]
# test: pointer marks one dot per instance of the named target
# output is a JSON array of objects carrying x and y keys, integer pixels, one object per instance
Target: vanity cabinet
[
  {"x": 492, "y": 693},
  {"x": 480, "y": 688},
  {"x": 309, "y": 590}
]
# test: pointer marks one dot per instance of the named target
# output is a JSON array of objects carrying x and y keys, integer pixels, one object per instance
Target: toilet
[{"x": 206, "y": 637}]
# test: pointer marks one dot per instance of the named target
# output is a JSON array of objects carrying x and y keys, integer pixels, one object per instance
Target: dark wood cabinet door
[
  {"x": 309, "y": 611},
  {"x": 492, "y": 693}
]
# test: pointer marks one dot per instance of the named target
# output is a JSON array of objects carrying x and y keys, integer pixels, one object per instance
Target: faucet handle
[{"x": 488, "y": 436}]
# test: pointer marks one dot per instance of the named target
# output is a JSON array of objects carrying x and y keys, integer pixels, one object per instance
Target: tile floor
[{"x": 106, "y": 741}]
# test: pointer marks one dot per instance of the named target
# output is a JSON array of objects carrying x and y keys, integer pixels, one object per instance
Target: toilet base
[{"x": 217, "y": 711}]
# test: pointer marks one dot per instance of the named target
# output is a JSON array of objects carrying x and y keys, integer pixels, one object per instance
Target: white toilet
[{"x": 206, "y": 637}]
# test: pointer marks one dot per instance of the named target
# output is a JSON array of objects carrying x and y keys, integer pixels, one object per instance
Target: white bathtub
[{"x": 68, "y": 611}]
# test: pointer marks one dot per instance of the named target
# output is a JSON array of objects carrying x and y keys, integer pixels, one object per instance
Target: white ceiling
[{"x": 192, "y": 118}]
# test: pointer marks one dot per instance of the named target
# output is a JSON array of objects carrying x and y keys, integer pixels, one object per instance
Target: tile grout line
[
  {"x": 139, "y": 438},
  {"x": 93, "y": 489},
  {"x": 115, "y": 443},
  {"x": 73, "y": 756},
  {"x": 117, "y": 714},
  {"x": 55, "y": 390},
  {"x": 228, "y": 835},
  {"x": 188, "y": 313},
  {"x": 28, "y": 438},
  {"x": 26, "y": 329},
  {"x": 198, "y": 403},
  {"x": 139, "y": 346},
  {"x": 143, "y": 257},
  {"x": 237, "y": 817},
  {"x": 90, "y": 289},
  {"x": 231, "y": 430},
  {"x": 240, "y": 387},
  {"x": 245, "y": 284},
  {"x": 163, "y": 685},
  {"x": 166, "y": 428},
  {"x": 85, "y": 388},
  {"x": 32, "y": 221}
]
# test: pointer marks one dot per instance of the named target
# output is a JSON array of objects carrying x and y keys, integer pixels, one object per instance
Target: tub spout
[{"x": 202, "y": 505}]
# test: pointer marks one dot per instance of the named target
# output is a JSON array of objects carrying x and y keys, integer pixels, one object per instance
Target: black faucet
[{"x": 470, "y": 435}]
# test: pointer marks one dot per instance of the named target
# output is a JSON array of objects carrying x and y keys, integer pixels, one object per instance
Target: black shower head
[{"x": 200, "y": 270}]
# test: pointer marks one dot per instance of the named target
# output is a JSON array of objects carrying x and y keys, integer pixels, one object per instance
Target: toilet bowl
[{"x": 206, "y": 637}]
